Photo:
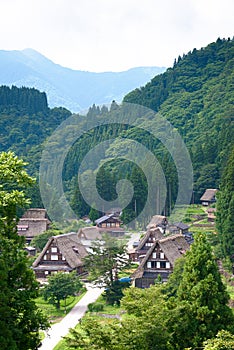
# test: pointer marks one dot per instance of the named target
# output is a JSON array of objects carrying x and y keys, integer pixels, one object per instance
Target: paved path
[{"x": 59, "y": 330}]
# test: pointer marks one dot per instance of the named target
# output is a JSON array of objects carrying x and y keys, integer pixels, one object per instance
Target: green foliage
[
  {"x": 144, "y": 328},
  {"x": 196, "y": 97},
  {"x": 40, "y": 241},
  {"x": 184, "y": 313},
  {"x": 60, "y": 286},
  {"x": 225, "y": 209},
  {"x": 114, "y": 293},
  {"x": 94, "y": 214},
  {"x": 20, "y": 319},
  {"x": 224, "y": 340},
  {"x": 23, "y": 99},
  {"x": 96, "y": 307},
  {"x": 200, "y": 307},
  {"x": 106, "y": 260},
  {"x": 54, "y": 314}
]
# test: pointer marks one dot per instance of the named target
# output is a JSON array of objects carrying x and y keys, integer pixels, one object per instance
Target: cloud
[{"x": 113, "y": 35}]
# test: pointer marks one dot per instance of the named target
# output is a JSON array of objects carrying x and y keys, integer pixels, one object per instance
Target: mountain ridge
[{"x": 73, "y": 89}]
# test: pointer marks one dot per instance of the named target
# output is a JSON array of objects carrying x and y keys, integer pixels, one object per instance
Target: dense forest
[{"x": 195, "y": 96}]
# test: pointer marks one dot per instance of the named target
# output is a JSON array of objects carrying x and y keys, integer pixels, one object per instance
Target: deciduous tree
[{"x": 60, "y": 286}]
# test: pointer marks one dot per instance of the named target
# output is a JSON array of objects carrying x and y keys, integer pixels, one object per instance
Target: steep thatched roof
[
  {"x": 157, "y": 220},
  {"x": 172, "y": 246},
  {"x": 155, "y": 232},
  {"x": 209, "y": 194},
  {"x": 35, "y": 213},
  {"x": 69, "y": 246},
  {"x": 89, "y": 233}
]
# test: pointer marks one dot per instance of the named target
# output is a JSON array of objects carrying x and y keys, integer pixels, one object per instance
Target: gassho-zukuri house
[
  {"x": 33, "y": 222},
  {"x": 158, "y": 258},
  {"x": 62, "y": 253}
]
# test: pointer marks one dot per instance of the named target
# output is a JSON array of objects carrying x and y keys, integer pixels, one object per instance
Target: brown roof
[
  {"x": 156, "y": 233},
  {"x": 35, "y": 213},
  {"x": 157, "y": 220},
  {"x": 173, "y": 247},
  {"x": 211, "y": 210},
  {"x": 209, "y": 194},
  {"x": 89, "y": 233},
  {"x": 69, "y": 246}
]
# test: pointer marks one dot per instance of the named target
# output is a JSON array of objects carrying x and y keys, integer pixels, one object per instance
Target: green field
[{"x": 54, "y": 314}]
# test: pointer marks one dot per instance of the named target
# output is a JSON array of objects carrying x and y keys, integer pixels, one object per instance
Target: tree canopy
[
  {"x": 183, "y": 313},
  {"x": 225, "y": 209},
  {"x": 20, "y": 319},
  {"x": 60, "y": 286},
  {"x": 105, "y": 260}
]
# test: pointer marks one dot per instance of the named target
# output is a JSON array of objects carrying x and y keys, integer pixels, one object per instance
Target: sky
[{"x": 113, "y": 35}]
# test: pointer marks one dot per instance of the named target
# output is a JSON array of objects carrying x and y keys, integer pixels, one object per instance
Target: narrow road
[{"x": 59, "y": 330}]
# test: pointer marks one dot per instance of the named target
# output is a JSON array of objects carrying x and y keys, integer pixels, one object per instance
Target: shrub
[{"x": 95, "y": 307}]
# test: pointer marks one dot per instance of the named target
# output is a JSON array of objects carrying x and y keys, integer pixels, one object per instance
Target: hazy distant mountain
[{"x": 73, "y": 89}]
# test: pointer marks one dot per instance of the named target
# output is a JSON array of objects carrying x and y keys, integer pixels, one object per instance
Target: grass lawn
[{"x": 53, "y": 314}]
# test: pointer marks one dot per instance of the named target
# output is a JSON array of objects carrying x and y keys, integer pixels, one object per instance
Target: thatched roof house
[
  {"x": 209, "y": 196},
  {"x": 160, "y": 260},
  {"x": 61, "y": 253},
  {"x": 89, "y": 233},
  {"x": 33, "y": 222},
  {"x": 147, "y": 241},
  {"x": 139, "y": 249},
  {"x": 159, "y": 221}
]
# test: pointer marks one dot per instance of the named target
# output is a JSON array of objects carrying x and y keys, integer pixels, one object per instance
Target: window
[
  {"x": 54, "y": 257},
  {"x": 153, "y": 264},
  {"x": 46, "y": 272},
  {"x": 158, "y": 265},
  {"x": 168, "y": 265},
  {"x": 149, "y": 264},
  {"x": 54, "y": 249},
  {"x": 161, "y": 255},
  {"x": 163, "y": 264},
  {"x": 148, "y": 244},
  {"x": 154, "y": 255},
  {"x": 45, "y": 257},
  {"x": 63, "y": 258}
]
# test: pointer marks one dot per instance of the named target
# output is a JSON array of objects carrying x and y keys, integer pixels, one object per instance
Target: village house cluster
[{"x": 155, "y": 253}]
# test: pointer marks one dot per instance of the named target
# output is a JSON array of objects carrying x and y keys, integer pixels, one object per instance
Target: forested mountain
[
  {"x": 26, "y": 121},
  {"x": 72, "y": 89},
  {"x": 195, "y": 96}
]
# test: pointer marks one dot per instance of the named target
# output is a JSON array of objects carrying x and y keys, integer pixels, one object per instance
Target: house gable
[
  {"x": 147, "y": 242},
  {"x": 61, "y": 253},
  {"x": 160, "y": 260},
  {"x": 108, "y": 221},
  {"x": 209, "y": 196},
  {"x": 157, "y": 260}
]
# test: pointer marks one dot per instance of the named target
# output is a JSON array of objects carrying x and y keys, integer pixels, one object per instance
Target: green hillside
[{"x": 196, "y": 96}]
